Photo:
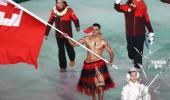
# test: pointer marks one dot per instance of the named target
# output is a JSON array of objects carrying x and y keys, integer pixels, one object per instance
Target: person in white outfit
[{"x": 134, "y": 90}]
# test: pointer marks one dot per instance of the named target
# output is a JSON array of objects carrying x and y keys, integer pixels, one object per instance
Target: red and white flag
[
  {"x": 21, "y": 35},
  {"x": 89, "y": 30}
]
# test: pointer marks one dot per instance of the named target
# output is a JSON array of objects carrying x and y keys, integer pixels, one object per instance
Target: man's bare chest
[{"x": 94, "y": 44}]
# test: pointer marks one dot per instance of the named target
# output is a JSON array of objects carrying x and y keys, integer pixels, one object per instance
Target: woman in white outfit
[{"x": 134, "y": 90}]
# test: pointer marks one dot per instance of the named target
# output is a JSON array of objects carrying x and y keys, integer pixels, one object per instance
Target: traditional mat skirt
[{"x": 94, "y": 75}]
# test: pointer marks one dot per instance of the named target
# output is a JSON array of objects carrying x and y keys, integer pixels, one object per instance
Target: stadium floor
[{"x": 23, "y": 82}]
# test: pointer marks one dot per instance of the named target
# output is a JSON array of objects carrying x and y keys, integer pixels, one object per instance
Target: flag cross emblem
[{"x": 9, "y": 14}]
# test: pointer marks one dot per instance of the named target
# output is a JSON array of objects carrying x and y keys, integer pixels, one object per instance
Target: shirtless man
[{"x": 95, "y": 78}]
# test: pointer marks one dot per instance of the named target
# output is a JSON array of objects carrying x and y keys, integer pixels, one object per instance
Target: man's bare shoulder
[
  {"x": 87, "y": 37},
  {"x": 104, "y": 41}
]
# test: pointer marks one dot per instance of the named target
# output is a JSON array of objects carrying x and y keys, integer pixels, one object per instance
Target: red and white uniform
[
  {"x": 136, "y": 18},
  {"x": 62, "y": 19}
]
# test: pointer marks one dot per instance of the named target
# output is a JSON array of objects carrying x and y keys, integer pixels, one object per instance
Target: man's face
[
  {"x": 96, "y": 30},
  {"x": 133, "y": 76},
  {"x": 60, "y": 4}
]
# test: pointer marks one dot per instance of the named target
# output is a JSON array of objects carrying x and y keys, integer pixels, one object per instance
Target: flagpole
[
  {"x": 158, "y": 76},
  {"x": 46, "y": 23}
]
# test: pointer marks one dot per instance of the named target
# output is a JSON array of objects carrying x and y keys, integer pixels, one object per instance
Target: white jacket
[{"x": 135, "y": 91}]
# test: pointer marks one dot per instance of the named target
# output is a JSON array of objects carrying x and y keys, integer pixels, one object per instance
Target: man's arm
[
  {"x": 124, "y": 93},
  {"x": 75, "y": 20},
  {"x": 145, "y": 92},
  {"x": 50, "y": 21},
  {"x": 151, "y": 34},
  {"x": 110, "y": 51},
  {"x": 74, "y": 44},
  {"x": 121, "y": 8},
  {"x": 147, "y": 22}
]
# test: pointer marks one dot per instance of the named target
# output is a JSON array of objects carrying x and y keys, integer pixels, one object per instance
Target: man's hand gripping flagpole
[{"x": 46, "y": 23}]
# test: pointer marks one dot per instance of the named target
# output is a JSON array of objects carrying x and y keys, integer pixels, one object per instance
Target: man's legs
[
  {"x": 61, "y": 54},
  {"x": 94, "y": 96},
  {"x": 100, "y": 93},
  {"x": 71, "y": 52},
  {"x": 130, "y": 47},
  {"x": 139, "y": 44}
]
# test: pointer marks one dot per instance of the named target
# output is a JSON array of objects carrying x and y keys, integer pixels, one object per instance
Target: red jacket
[
  {"x": 63, "y": 23},
  {"x": 135, "y": 20},
  {"x": 166, "y": 1}
]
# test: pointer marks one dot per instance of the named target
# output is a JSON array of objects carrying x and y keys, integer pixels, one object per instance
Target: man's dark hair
[
  {"x": 97, "y": 25},
  {"x": 63, "y": 1},
  {"x": 129, "y": 2}
]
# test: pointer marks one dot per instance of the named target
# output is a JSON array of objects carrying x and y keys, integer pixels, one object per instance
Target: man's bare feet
[{"x": 72, "y": 63}]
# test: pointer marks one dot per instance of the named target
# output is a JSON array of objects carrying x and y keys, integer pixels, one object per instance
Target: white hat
[{"x": 132, "y": 70}]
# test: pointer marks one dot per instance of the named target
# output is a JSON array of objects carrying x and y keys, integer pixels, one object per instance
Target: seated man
[
  {"x": 95, "y": 78},
  {"x": 134, "y": 90}
]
